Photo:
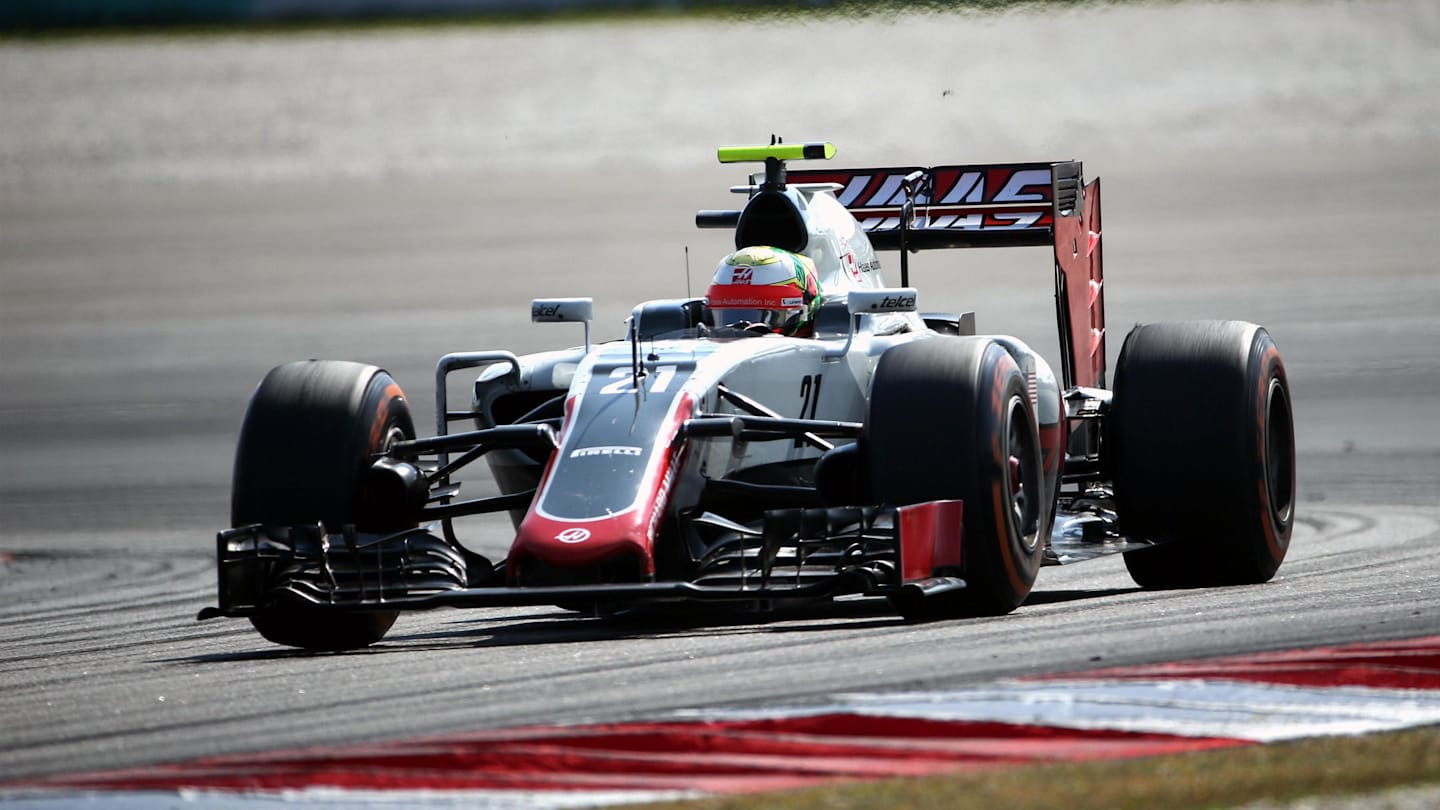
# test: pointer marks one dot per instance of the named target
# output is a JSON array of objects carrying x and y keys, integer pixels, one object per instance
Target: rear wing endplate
[{"x": 994, "y": 205}]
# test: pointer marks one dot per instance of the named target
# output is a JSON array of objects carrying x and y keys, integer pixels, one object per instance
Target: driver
[{"x": 767, "y": 290}]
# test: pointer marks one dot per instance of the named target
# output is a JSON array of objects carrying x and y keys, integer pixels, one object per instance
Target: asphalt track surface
[{"x": 177, "y": 216}]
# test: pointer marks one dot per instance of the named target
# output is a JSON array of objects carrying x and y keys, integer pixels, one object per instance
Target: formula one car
[{"x": 886, "y": 454}]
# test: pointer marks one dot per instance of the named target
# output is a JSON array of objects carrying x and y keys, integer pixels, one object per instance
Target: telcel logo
[
  {"x": 896, "y": 302},
  {"x": 539, "y": 311},
  {"x": 573, "y": 535}
]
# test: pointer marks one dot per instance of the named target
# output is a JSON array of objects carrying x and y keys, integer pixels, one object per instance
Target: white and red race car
[{"x": 890, "y": 454}]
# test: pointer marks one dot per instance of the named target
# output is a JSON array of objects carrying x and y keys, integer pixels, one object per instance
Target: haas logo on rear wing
[{"x": 956, "y": 206}]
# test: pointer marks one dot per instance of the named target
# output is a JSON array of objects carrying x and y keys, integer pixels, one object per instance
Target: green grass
[{"x": 1327, "y": 766}]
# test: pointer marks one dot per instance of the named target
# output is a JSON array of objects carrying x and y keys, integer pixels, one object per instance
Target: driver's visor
[{"x": 773, "y": 318}]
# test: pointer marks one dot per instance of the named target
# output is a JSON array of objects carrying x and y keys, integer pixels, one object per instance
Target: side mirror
[
  {"x": 881, "y": 301},
  {"x": 564, "y": 310}
]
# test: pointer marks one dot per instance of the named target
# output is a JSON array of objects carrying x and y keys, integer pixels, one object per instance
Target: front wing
[{"x": 796, "y": 554}]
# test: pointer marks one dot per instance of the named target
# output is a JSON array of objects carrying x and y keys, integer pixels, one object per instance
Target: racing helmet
[{"x": 765, "y": 287}]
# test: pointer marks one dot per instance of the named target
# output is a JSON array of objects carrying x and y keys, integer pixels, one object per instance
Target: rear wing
[{"x": 993, "y": 205}]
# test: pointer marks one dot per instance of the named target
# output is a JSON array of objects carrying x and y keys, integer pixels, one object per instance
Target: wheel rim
[
  {"x": 1279, "y": 453},
  {"x": 393, "y": 435},
  {"x": 1023, "y": 481}
]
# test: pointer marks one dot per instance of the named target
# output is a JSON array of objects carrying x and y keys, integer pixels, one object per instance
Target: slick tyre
[
  {"x": 950, "y": 418},
  {"x": 1203, "y": 453},
  {"x": 304, "y": 446}
]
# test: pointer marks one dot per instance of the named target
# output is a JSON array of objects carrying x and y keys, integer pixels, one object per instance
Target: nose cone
[
  {"x": 597, "y": 510},
  {"x": 550, "y": 552}
]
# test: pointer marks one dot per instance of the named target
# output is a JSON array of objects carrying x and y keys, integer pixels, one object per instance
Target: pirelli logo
[{"x": 606, "y": 450}]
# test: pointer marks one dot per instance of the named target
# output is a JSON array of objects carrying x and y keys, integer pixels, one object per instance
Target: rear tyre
[
  {"x": 1203, "y": 447},
  {"x": 307, "y": 439},
  {"x": 950, "y": 418}
]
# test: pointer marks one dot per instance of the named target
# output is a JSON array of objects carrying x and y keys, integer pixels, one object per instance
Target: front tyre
[
  {"x": 951, "y": 418},
  {"x": 1203, "y": 448},
  {"x": 307, "y": 439}
]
